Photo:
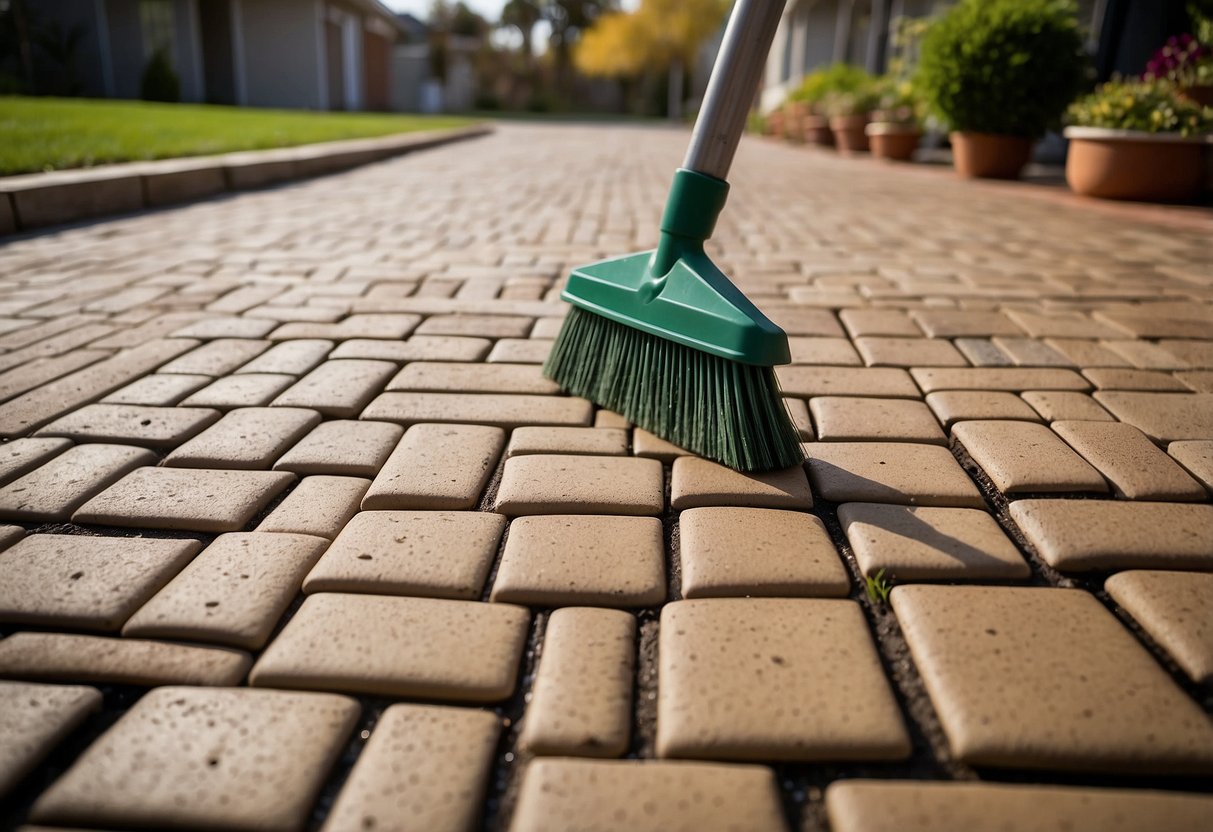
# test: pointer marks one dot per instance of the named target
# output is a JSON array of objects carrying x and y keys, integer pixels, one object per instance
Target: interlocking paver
[
  {"x": 1134, "y": 465},
  {"x": 57, "y": 657},
  {"x": 1118, "y": 379},
  {"x": 339, "y": 388},
  {"x": 1083, "y": 353},
  {"x": 982, "y": 352},
  {"x": 505, "y": 410},
  {"x": 247, "y": 438},
  {"x": 636, "y": 795},
  {"x": 355, "y": 326},
  {"x": 581, "y": 441},
  {"x": 697, "y": 482},
  {"x": 216, "y": 358},
  {"x": 154, "y": 427},
  {"x": 289, "y": 358},
  {"x": 448, "y": 754},
  {"x": 1056, "y": 405},
  {"x": 909, "y": 352},
  {"x": 888, "y": 382},
  {"x": 1028, "y": 352},
  {"x": 454, "y": 377},
  {"x": 954, "y": 406},
  {"x": 1198, "y": 381},
  {"x": 987, "y": 653},
  {"x": 437, "y": 467},
  {"x": 82, "y": 582},
  {"x": 860, "y": 322},
  {"x": 889, "y": 472},
  {"x": 561, "y": 483},
  {"x": 417, "y": 348},
  {"x": 228, "y": 327},
  {"x": 422, "y": 648},
  {"x": 441, "y": 554},
  {"x": 158, "y": 390},
  {"x": 54, "y": 490},
  {"x": 755, "y": 552},
  {"x": 841, "y": 418},
  {"x": 1176, "y": 609},
  {"x": 645, "y": 444},
  {"x": 520, "y": 351},
  {"x": 177, "y": 498},
  {"x": 233, "y": 593},
  {"x": 1146, "y": 356},
  {"x": 582, "y": 697},
  {"x": 564, "y": 560},
  {"x": 33, "y": 720},
  {"x": 218, "y": 759},
  {"x": 800, "y": 681},
  {"x": 915, "y": 543},
  {"x": 917, "y": 806},
  {"x": 824, "y": 351},
  {"x": 24, "y": 455},
  {"x": 485, "y": 326},
  {"x": 1082, "y": 535},
  {"x": 319, "y": 506},
  {"x": 1164, "y": 417},
  {"x": 1196, "y": 455},
  {"x": 1010, "y": 379},
  {"x": 947, "y": 323},
  {"x": 337, "y": 447},
  {"x": 240, "y": 390},
  {"x": 1027, "y": 457}
]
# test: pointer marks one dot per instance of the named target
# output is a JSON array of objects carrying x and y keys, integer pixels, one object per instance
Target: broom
[{"x": 663, "y": 337}]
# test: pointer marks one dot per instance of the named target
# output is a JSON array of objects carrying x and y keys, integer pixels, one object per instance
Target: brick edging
[{"x": 38, "y": 200}]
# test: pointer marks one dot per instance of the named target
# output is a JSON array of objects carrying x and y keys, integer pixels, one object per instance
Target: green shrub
[
  {"x": 1003, "y": 66},
  {"x": 1149, "y": 106},
  {"x": 835, "y": 78},
  {"x": 160, "y": 82}
]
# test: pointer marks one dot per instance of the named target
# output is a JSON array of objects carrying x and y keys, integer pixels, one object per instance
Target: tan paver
[
  {"x": 909, "y": 352},
  {"x": 153, "y": 427},
  {"x": 909, "y": 806},
  {"x": 824, "y": 351},
  {"x": 453, "y": 377},
  {"x": 219, "y": 759},
  {"x": 1176, "y": 609},
  {"x": 354, "y": 326},
  {"x": 1027, "y": 458},
  {"x": 1084, "y": 353},
  {"x": 1054, "y": 405},
  {"x": 947, "y": 323},
  {"x": 773, "y": 679},
  {"x": 1134, "y": 465},
  {"x": 319, "y": 506},
  {"x": 1164, "y": 417},
  {"x": 485, "y": 326},
  {"x": 10, "y": 535},
  {"x": 338, "y": 388},
  {"x": 33, "y": 720},
  {"x": 448, "y": 754},
  {"x": 241, "y": 390},
  {"x": 581, "y": 702},
  {"x": 986, "y": 654},
  {"x": 59, "y": 657},
  {"x": 840, "y": 418},
  {"x": 798, "y": 321},
  {"x": 697, "y": 482},
  {"x": 637, "y": 795},
  {"x": 437, "y": 467},
  {"x": 1196, "y": 455},
  {"x": 292, "y": 358},
  {"x": 564, "y": 560},
  {"x": 1147, "y": 356},
  {"x": 441, "y": 554},
  {"x": 915, "y": 543},
  {"x": 1082, "y": 535},
  {"x": 889, "y": 472},
  {"x": 424, "y": 648},
  {"x": 499, "y": 410},
  {"x": 799, "y": 412},
  {"x": 1028, "y": 352},
  {"x": 59, "y": 486},
  {"x": 649, "y": 446},
  {"x": 886, "y": 382},
  {"x": 24, "y": 455},
  {"x": 216, "y": 358},
  {"x": 228, "y": 327},
  {"x": 248, "y": 438},
  {"x": 1118, "y": 379},
  {"x": 520, "y": 351},
  {"x": 581, "y": 441},
  {"x": 191, "y": 499},
  {"x": 340, "y": 447},
  {"x": 1200, "y": 381},
  {"x": 728, "y": 552},
  {"x": 86, "y": 583},
  {"x": 963, "y": 405},
  {"x": 560, "y": 484},
  {"x": 860, "y": 322},
  {"x": 1010, "y": 379},
  {"x": 158, "y": 390},
  {"x": 417, "y": 348},
  {"x": 233, "y": 593},
  {"x": 604, "y": 418}
]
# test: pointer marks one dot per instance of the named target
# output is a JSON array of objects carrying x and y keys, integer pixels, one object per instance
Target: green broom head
[{"x": 665, "y": 339}]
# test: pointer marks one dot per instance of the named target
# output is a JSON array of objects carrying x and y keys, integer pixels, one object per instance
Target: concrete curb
[{"x": 37, "y": 200}]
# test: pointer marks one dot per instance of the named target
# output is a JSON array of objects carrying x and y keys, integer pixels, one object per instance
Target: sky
[{"x": 490, "y": 9}]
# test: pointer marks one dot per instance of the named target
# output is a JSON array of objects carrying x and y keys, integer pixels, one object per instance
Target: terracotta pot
[
  {"x": 849, "y": 135},
  {"x": 775, "y": 122},
  {"x": 989, "y": 156},
  {"x": 794, "y": 115},
  {"x": 1202, "y": 94},
  {"x": 816, "y": 130},
  {"x": 1126, "y": 164},
  {"x": 893, "y": 141}
]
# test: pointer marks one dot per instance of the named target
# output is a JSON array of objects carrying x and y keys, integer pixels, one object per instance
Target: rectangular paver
[
  {"x": 561, "y": 484},
  {"x": 152, "y": 427},
  {"x": 58, "y": 657},
  {"x": 342, "y": 447},
  {"x": 21, "y": 456},
  {"x": 1137, "y": 468},
  {"x": 437, "y": 467},
  {"x": 1009, "y": 379},
  {"x": 885, "y": 382},
  {"x": 1164, "y": 417},
  {"x": 34, "y": 719},
  {"x": 65, "y": 482},
  {"x": 1176, "y": 609},
  {"x": 499, "y": 410},
  {"x": 319, "y": 506},
  {"x": 338, "y": 388},
  {"x": 1027, "y": 458},
  {"x": 889, "y": 472},
  {"x": 248, "y": 438},
  {"x": 853, "y": 419},
  {"x": 697, "y": 482}
]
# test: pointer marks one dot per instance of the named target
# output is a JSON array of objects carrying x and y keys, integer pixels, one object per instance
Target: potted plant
[
  {"x": 895, "y": 128},
  {"x": 849, "y": 114},
  {"x": 1137, "y": 140},
  {"x": 812, "y": 93},
  {"x": 1000, "y": 73},
  {"x": 1188, "y": 64}
]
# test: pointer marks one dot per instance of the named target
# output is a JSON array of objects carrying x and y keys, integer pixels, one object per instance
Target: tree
[
  {"x": 568, "y": 19},
  {"x": 523, "y": 15}
]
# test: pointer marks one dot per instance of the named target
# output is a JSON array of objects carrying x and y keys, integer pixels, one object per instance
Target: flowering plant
[
  {"x": 1183, "y": 60},
  {"x": 1147, "y": 106}
]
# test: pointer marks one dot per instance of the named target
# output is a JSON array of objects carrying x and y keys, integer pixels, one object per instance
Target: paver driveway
[{"x": 287, "y": 460}]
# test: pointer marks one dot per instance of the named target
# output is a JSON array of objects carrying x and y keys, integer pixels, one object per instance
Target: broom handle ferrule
[{"x": 730, "y": 94}]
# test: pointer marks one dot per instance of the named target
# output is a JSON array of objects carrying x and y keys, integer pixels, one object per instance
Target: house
[{"x": 305, "y": 54}]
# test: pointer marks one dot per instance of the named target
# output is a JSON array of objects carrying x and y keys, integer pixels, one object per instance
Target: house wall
[
  {"x": 282, "y": 53},
  {"x": 126, "y": 47},
  {"x": 91, "y": 62},
  {"x": 218, "y": 54}
]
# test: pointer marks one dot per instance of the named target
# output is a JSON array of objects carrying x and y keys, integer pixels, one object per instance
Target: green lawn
[{"x": 39, "y": 134}]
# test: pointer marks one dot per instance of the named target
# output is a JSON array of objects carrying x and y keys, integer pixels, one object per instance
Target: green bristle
[{"x": 722, "y": 410}]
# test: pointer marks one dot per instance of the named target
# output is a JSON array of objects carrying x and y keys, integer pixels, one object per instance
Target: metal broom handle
[{"x": 735, "y": 75}]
